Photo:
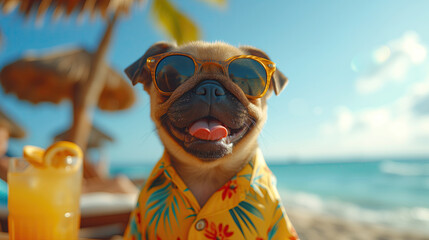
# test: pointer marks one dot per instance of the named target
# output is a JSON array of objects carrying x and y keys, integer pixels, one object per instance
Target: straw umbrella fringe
[
  {"x": 96, "y": 140},
  {"x": 40, "y": 7},
  {"x": 52, "y": 78}
]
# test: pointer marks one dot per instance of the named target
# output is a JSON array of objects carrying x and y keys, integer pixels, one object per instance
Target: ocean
[{"x": 394, "y": 193}]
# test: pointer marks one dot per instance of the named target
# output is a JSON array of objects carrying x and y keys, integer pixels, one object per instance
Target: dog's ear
[
  {"x": 278, "y": 80},
  {"x": 138, "y": 71}
]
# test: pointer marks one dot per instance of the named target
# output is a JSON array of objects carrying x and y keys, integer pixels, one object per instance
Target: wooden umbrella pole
[{"x": 87, "y": 93}]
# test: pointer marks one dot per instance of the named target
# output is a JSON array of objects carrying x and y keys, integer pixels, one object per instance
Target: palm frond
[
  {"x": 162, "y": 202},
  {"x": 240, "y": 215},
  {"x": 275, "y": 227},
  {"x": 173, "y": 22}
]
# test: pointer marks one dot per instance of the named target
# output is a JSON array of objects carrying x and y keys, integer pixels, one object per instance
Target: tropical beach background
[{"x": 348, "y": 139}]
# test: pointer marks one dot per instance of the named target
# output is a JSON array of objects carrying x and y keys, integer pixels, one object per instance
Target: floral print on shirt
[{"x": 246, "y": 207}]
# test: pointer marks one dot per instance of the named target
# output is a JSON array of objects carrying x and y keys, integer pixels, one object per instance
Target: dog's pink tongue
[
  {"x": 200, "y": 129},
  {"x": 217, "y": 130},
  {"x": 208, "y": 130}
]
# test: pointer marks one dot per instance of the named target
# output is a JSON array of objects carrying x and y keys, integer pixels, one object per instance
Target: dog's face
[{"x": 207, "y": 120}]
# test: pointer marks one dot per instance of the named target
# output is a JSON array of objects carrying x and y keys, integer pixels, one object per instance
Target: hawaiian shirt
[{"x": 246, "y": 207}]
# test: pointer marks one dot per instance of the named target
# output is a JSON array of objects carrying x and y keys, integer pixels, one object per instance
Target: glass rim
[{"x": 20, "y": 163}]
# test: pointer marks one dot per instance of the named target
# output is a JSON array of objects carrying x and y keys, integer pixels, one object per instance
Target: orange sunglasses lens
[
  {"x": 172, "y": 71},
  {"x": 249, "y": 75}
]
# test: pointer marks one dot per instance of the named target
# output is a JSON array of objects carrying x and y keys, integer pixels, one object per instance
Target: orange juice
[{"x": 44, "y": 200}]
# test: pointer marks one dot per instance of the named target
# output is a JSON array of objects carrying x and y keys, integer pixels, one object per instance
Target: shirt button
[{"x": 201, "y": 224}]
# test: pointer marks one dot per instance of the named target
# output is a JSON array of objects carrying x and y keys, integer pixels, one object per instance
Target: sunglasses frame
[{"x": 153, "y": 61}]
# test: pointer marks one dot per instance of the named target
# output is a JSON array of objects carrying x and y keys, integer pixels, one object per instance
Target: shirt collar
[{"x": 244, "y": 179}]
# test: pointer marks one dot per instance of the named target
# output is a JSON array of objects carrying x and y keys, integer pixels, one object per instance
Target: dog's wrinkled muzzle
[
  {"x": 208, "y": 120},
  {"x": 210, "y": 92}
]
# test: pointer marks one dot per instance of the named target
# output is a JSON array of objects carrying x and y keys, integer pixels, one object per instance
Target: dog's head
[{"x": 207, "y": 119}]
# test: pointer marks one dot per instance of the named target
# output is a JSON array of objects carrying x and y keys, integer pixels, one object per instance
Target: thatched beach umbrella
[
  {"x": 54, "y": 77},
  {"x": 67, "y": 7},
  {"x": 97, "y": 138}
]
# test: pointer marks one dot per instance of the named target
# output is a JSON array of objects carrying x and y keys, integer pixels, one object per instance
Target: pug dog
[{"x": 208, "y": 102}]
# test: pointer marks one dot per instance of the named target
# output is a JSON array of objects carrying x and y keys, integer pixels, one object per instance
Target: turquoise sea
[{"x": 394, "y": 193}]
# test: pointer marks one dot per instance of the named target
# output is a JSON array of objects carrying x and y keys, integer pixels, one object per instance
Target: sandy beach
[{"x": 311, "y": 226}]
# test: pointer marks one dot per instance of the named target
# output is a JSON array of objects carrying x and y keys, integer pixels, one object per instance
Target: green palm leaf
[
  {"x": 240, "y": 215},
  {"x": 174, "y": 23},
  {"x": 251, "y": 209},
  {"x": 157, "y": 182},
  {"x": 275, "y": 227},
  {"x": 162, "y": 202},
  {"x": 254, "y": 182}
]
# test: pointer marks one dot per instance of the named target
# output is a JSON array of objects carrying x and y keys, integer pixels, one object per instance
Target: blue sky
[{"x": 358, "y": 70}]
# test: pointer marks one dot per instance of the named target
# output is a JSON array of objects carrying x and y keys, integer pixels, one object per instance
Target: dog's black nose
[{"x": 210, "y": 90}]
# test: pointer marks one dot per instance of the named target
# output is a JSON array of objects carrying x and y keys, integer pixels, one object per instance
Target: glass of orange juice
[{"x": 44, "y": 193}]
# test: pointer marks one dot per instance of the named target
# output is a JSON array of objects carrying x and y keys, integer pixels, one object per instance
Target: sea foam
[
  {"x": 411, "y": 219},
  {"x": 404, "y": 169}
]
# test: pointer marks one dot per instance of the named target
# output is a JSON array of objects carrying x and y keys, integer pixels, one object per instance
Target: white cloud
[
  {"x": 345, "y": 119},
  {"x": 391, "y": 63},
  {"x": 397, "y": 128}
]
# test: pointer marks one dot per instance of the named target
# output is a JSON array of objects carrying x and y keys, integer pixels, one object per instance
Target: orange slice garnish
[
  {"x": 61, "y": 154},
  {"x": 34, "y": 155}
]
